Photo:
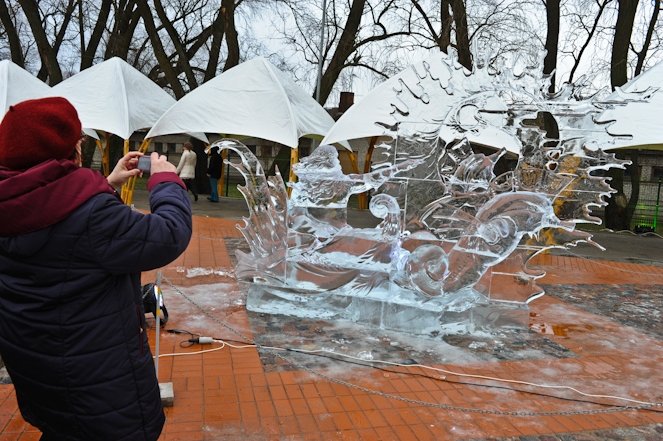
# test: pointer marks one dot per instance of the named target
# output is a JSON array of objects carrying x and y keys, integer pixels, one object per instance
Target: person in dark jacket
[
  {"x": 214, "y": 173},
  {"x": 72, "y": 324}
]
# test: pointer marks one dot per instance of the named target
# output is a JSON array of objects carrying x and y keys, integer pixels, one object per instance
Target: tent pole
[
  {"x": 145, "y": 145},
  {"x": 353, "y": 162},
  {"x": 127, "y": 187},
  {"x": 321, "y": 48},
  {"x": 130, "y": 185},
  {"x": 294, "y": 159},
  {"x": 363, "y": 197}
]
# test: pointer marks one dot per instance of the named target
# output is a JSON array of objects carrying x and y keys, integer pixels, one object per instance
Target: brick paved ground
[{"x": 597, "y": 331}]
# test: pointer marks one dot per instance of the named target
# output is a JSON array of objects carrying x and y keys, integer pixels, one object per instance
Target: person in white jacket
[{"x": 186, "y": 169}]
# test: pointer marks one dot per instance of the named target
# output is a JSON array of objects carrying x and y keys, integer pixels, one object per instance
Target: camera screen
[{"x": 144, "y": 163}]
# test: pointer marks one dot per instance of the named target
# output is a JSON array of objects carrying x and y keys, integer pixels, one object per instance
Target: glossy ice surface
[{"x": 451, "y": 252}]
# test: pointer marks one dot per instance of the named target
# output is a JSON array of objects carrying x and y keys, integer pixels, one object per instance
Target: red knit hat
[{"x": 34, "y": 131}]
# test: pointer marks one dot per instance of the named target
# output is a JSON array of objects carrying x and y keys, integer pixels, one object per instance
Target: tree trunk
[
  {"x": 162, "y": 58},
  {"x": 47, "y": 54},
  {"x": 616, "y": 212},
  {"x": 126, "y": 18},
  {"x": 217, "y": 31},
  {"x": 444, "y": 39},
  {"x": 620, "y": 45},
  {"x": 87, "y": 53},
  {"x": 12, "y": 35},
  {"x": 462, "y": 37},
  {"x": 81, "y": 27},
  {"x": 59, "y": 38},
  {"x": 343, "y": 50},
  {"x": 228, "y": 14},
  {"x": 182, "y": 58},
  {"x": 642, "y": 55},
  {"x": 552, "y": 41}
]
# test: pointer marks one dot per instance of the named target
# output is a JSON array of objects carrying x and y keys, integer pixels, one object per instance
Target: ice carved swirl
[
  {"x": 386, "y": 207},
  {"x": 426, "y": 267}
]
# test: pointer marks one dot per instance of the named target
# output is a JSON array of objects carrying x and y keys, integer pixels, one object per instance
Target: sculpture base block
[{"x": 427, "y": 317}]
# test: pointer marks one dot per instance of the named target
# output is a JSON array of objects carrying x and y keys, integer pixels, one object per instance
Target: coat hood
[{"x": 44, "y": 195}]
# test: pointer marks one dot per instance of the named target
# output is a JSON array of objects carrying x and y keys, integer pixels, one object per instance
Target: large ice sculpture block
[{"x": 451, "y": 251}]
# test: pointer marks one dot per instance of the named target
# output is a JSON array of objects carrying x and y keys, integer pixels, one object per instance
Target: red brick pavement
[{"x": 228, "y": 394}]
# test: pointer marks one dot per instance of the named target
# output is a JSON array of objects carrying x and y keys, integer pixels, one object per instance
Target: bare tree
[
  {"x": 452, "y": 19},
  {"x": 352, "y": 31},
  {"x": 552, "y": 41},
  {"x": 157, "y": 46},
  {"x": 462, "y": 33},
  {"x": 89, "y": 50},
  {"x": 126, "y": 17},
  {"x": 48, "y": 50},
  {"x": 642, "y": 53},
  {"x": 228, "y": 15},
  {"x": 619, "y": 211},
  {"x": 179, "y": 45},
  {"x": 344, "y": 48},
  {"x": 11, "y": 34},
  {"x": 589, "y": 24},
  {"x": 621, "y": 42},
  {"x": 223, "y": 26},
  {"x": 196, "y": 33}
]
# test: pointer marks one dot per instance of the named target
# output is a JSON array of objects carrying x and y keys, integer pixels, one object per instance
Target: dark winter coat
[
  {"x": 72, "y": 327},
  {"x": 215, "y": 164}
]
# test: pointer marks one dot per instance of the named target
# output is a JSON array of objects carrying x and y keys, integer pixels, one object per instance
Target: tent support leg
[
  {"x": 130, "y": 185},
  {"x": 294, "y": 159},
  {"x": 363, "y": 197}
]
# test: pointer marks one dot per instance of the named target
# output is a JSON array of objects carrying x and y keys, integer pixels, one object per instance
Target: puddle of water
[
  {"x": 200, "y": 272},
  {"x": 560, "y": 330}
]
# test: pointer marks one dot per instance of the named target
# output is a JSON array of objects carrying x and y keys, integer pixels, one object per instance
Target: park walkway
[{"x": 596, "y": 335}]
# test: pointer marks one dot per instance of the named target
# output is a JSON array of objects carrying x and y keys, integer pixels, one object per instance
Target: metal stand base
[{"x": 167, "y": 394}]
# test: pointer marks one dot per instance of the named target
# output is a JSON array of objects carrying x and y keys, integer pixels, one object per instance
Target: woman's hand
[
  {"x": 125, "y": 168},
  {"x": 160, "y": 164}
]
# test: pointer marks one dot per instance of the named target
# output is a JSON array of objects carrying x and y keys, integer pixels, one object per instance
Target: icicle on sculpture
[{"x": 451, "y": 252}]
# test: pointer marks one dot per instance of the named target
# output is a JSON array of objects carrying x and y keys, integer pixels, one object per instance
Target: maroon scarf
[{"x": 45, "y": 194}]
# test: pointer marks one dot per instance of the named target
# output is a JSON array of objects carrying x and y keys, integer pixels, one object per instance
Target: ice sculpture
[{"x": 452, "y": 249}]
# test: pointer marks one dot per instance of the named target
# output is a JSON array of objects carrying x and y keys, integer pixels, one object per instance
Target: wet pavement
[{"x": 583, "y": 369}]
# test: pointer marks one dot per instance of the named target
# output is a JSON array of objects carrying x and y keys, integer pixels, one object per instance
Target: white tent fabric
[
  {"x": 115, "y": 97},
  {"x": 252, "y": 99},
  {"x": 637, "y": 124},
  {"x": 368, "y": 117},
  {"x": 17, "y": 84}
]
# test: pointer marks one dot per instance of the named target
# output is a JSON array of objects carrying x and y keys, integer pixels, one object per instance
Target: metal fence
[{"x": 648, "y": 215}]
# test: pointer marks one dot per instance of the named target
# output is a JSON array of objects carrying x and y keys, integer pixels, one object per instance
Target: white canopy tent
[
  {"x": 114, "y": 97},
  {"x": 637, "y": 124},
  {"x": 17, "y": 84},
  {"x": 374, "y": 113},
  {"x": 252, "y": 99}
]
